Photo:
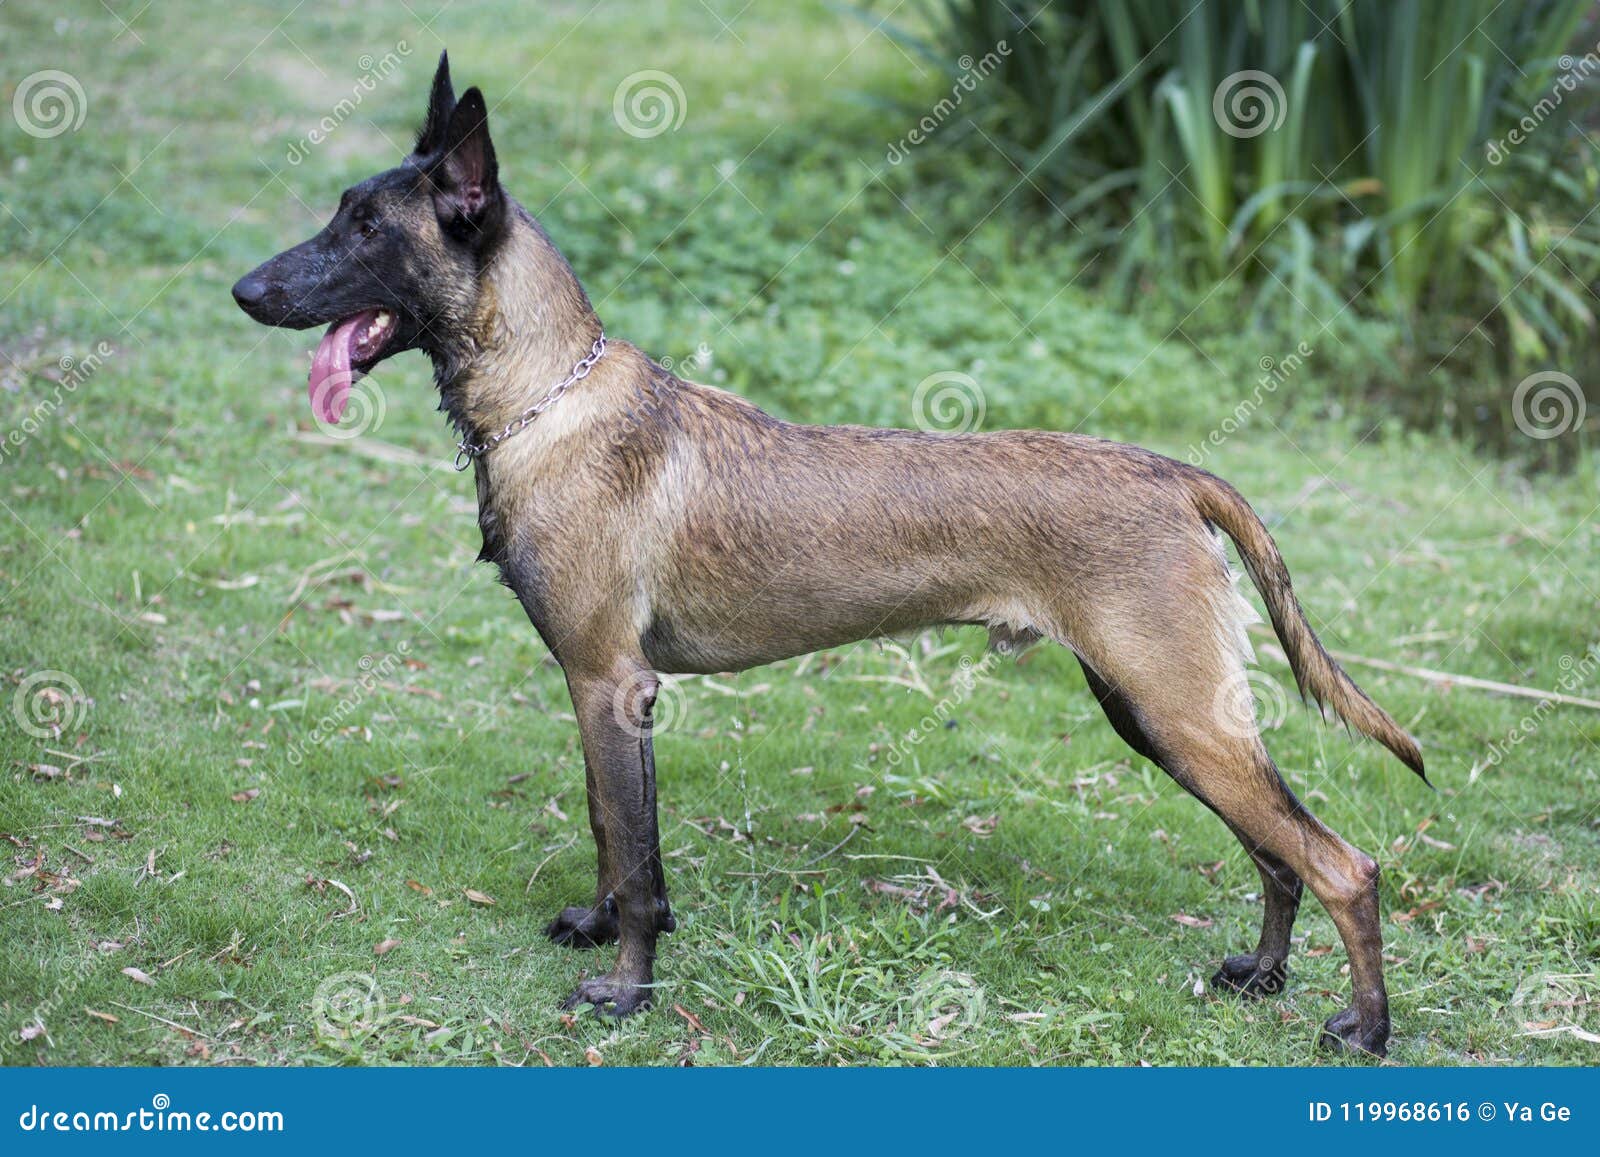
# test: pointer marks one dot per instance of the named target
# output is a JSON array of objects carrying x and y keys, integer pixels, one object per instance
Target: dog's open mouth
[{"x": 349, "y": 349}]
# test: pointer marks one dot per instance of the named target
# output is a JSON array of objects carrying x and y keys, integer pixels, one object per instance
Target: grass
[{"x": 213, "y": 586}]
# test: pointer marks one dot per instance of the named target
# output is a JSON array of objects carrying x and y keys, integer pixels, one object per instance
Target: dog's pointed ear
[
  {"x": 466, "y": 178},
  {"x": 441, "y": 103}
]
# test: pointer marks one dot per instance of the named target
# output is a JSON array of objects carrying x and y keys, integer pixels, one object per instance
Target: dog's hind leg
[
  {"x": 1174, "y": 706},
  {"x": 1264, "y": 971},
  {"x": 614, "y": 718}
]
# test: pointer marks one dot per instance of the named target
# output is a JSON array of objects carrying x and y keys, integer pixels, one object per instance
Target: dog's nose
[{"x": 249, "y": 291}]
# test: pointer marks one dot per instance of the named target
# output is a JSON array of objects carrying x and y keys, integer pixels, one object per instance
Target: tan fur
[{"x": 650, "y": 524}]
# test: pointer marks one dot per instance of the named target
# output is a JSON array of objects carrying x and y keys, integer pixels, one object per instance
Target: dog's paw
[
  {"x": 584, "y": 927},
  {"x": 1344, "y": 1033},
  {"x": 611, "y": 996},
  {"x": 1250, "y": 975}
]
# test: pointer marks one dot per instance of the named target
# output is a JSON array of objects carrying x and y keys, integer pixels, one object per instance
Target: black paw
[
  {"x": 1250, "y": 975},
  {"x": 610, "y": 996},
  {"x": 1344, "y": 1033},
  {"x": 584, "y": 927}
]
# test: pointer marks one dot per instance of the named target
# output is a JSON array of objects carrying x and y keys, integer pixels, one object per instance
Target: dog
[{"x": 651, "y": 525}]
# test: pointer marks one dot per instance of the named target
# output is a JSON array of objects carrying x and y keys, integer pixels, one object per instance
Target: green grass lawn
[{"x": 320, "y": 788}]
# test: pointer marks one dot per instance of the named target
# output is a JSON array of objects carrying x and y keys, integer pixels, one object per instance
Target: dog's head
[{"x": 397, "y": 267}]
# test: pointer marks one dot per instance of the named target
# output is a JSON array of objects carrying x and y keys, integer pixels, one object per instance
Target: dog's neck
[{"x": 530, "y": 325}]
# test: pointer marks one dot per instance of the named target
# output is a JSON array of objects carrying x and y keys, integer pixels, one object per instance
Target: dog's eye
[{"x": 366, "y": 227}]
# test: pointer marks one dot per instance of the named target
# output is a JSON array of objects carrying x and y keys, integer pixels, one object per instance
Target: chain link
[{"x": 466, "y": 451}]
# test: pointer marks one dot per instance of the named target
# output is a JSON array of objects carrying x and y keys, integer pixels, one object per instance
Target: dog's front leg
[
  {"x": 614, "y": 717},
  {"x": 580, "y": 927}
]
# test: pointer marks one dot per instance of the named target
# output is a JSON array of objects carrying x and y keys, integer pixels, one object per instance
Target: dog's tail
[{"x": 1320, "y": 677}]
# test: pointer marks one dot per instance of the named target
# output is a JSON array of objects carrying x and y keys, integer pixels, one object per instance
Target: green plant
[{"x": 1336, "y": 158}]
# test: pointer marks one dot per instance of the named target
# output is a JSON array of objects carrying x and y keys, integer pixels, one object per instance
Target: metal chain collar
[{"x": 466, "y": 451}]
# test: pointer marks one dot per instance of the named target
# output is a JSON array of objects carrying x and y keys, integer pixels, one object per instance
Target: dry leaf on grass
[
  {"x": 138, "y": 976},
  {"x": 384, "y": 947},
  {"x": 1412, "y": 914},
  {"x": 478, "y": 897},
  {"x": 1189, "y": 921},
  {"x": 354, "y": 905}
]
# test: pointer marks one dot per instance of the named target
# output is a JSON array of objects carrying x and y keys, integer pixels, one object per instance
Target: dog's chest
[
  {"x": 491, "y": 524},
  {"x": 514, "y": 556}
]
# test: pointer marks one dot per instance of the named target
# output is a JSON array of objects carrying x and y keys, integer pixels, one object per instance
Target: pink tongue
[{"x": 331, "y": 376}]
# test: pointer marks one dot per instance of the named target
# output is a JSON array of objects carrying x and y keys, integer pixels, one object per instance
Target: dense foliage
[{"x": 1415, "y": 162}]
